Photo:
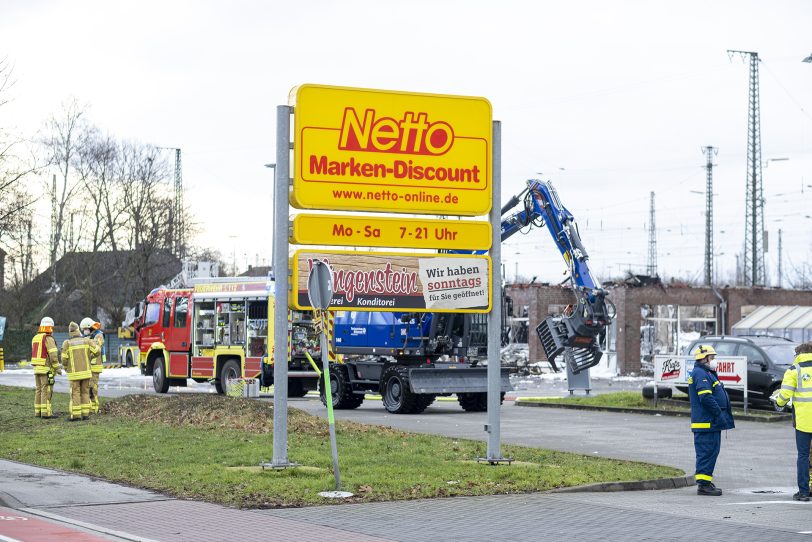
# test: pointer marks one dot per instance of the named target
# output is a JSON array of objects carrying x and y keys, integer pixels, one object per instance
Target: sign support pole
[
  {"x": 328, "y": 394},
  {"x": 493, "y": 426},
  {"x": 280, "y": 272}
]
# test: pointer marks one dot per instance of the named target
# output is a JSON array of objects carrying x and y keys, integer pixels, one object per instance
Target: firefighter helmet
[
  {"x": 86, "y": 323},
  {"x": 46, "y": 325},
  {"x": 702, "y": 351}
]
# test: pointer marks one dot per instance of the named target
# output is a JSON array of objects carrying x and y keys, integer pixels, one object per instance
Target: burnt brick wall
[{"x": 540, "y": 298}]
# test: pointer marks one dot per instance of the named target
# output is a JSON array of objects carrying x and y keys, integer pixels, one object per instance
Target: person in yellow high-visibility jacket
[
  {"x": 797, "y": 386},
  {"x": 76, "y": 354},
  {"x": 92, "y": 330},
  {"x": 45, "y": 361}
]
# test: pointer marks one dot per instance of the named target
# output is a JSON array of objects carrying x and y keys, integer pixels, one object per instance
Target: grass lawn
[
  {"x": 207, "y": 447},
  {"x": 633, "y": 399}
]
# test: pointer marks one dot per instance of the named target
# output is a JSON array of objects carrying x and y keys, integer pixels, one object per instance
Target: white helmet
[
  {"x": 46, "y": 322},
  {"x": 86, "y": 323}
]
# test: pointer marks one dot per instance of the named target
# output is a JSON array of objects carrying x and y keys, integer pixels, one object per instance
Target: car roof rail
[{"x": 765, "y": 336}]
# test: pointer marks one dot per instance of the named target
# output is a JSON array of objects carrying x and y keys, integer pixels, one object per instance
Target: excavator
[
  {"x": 410, "y": 358},
  {"x": 575, "y": 334}
]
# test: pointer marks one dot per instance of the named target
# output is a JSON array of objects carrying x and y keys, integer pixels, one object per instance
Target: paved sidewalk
[
  {"x": 631, "y": 516},
  {"x": 116, "y": 512},
  {"x": 604, "y": 517}
]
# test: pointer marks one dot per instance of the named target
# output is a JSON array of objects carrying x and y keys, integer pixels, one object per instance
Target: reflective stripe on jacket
[
  {"x": 710, "y": 405},
  {"x": 797, "y": 385},
  {"x": 76, "y": 354},
  {"x": 44, "y": 353},
  {"x": 97, "y": 362}
]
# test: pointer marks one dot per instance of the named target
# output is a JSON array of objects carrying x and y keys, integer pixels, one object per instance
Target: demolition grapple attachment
[{"x": 575, "y": 334}]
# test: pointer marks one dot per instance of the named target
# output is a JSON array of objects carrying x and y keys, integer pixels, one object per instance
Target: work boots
[
  {"x": 800, "y": 497},
  {"x": 708, "y": 489}
]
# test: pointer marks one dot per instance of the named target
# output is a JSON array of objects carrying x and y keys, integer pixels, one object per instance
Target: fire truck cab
[{"x": 217, "y": 331}]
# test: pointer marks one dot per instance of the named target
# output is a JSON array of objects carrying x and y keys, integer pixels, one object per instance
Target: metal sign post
[
  {"x": 280, "y": 271},
  {"x": 320, "y": 292},
  {"x": 493, "y": 427}
]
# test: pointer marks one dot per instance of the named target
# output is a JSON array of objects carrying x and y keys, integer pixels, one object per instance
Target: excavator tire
[
  {"x": 341, "y": 389},
  {"x": 427, "y": 399},
  {"x": 476, "y": 402},
  {"x": 396, "y": 393}
]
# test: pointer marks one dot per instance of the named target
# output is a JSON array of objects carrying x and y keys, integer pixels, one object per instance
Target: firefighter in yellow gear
[
  {"x": 92, "y": 330},
  {"x": 77, "y": 352},
  {"x": 797, "y": 386},
  {"x": 45, "y": 361}
]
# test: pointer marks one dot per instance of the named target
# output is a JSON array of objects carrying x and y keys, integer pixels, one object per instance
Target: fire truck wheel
[
  {"x": 476, "y": 402},
  {"x": 129, "y": 362},
  {"x": 159, "y": 380},
  {"x": 230, "y": 370},
  {"x": 340, "y": 388},
  {"x": 397, "y": 395}
]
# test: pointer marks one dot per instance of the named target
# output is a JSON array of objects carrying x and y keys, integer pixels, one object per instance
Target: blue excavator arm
[{"x": 576, "y": 333}]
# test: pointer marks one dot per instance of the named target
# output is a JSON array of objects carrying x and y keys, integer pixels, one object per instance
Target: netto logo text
[{"x": 413, "y": 134}]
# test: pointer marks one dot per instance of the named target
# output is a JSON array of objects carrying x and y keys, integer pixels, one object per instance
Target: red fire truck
[{"x": 219, "y": 331}]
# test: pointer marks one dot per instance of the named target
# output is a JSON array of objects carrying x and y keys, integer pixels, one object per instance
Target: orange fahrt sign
[{"x": 374, "y": 150}]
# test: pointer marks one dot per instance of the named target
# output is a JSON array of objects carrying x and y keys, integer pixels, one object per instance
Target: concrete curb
[
  {"x": 9, "y": 501},
  {"x": 649, "y": 411},
  {"x": 641, "y": 485}
]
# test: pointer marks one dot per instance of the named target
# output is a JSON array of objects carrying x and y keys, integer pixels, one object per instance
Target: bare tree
[
  {"x": 800, "y": 277},
  {"x": 97, "y": 162},
  {"x": 65, "y": 133},
  {"x": 21, "y": 243},
  {"x": 128, "y": 186},
  {"x": 14, "y": 168}
]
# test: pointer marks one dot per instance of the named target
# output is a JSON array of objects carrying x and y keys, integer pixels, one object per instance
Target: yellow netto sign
[
  {"x": 374, "y": 150},
  {"x": 373, "y": 231}
]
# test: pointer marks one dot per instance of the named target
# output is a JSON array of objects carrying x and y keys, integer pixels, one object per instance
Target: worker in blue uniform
[{"x": 710, "y": 415}]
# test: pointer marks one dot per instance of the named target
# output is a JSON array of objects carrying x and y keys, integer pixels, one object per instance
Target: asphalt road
[{"x": 123, "y": 381}]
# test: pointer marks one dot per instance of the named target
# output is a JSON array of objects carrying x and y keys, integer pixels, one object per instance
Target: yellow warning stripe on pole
[{"x": 331, "y": 353}]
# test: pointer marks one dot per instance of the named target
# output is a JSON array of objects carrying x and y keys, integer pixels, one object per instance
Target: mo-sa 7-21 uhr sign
[{"x": 372, "y": 150}]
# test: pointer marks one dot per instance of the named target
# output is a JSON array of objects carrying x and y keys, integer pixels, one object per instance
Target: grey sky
[{"x": 621, "y": 95}]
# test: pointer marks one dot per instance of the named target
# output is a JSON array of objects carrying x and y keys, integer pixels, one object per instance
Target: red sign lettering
[{"x": 413, "y": 134}]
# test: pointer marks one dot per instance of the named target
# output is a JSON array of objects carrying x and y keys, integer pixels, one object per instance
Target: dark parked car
[{"x": 767, "y": 359}]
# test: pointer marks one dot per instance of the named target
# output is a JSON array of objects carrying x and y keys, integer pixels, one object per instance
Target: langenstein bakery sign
[{"x": 396, "y": 281}]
